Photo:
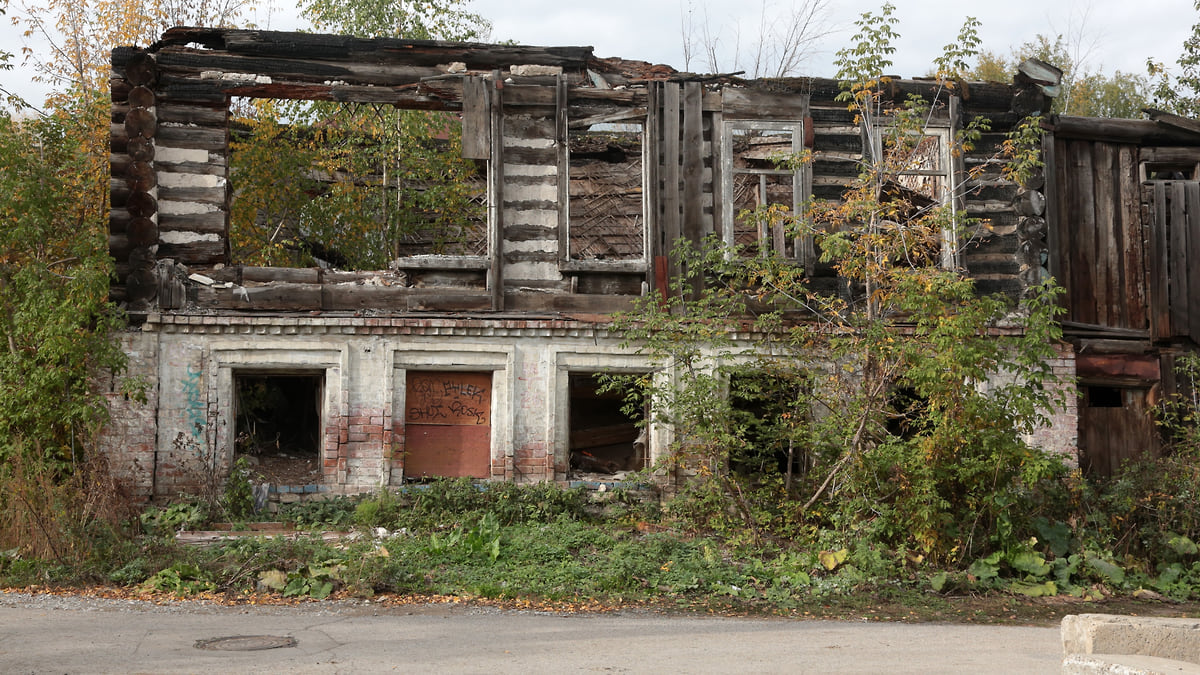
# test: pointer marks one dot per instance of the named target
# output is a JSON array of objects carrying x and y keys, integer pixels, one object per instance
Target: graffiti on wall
[
  {"x": 195, "y": 406},
  {"x": 448, "y": 398}
]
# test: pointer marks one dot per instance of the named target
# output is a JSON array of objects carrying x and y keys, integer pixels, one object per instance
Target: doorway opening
[
  {"x": 606, "y": 440},
  {"x": 278, "y": 417}
]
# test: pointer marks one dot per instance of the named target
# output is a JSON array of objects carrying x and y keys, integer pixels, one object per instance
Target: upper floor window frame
[{"x": 800, "y": 176}]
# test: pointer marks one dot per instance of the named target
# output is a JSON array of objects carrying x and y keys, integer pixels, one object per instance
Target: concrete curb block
[
  {"x": 1124, "y": 664},
  {"x": 1130, "y": 645}
]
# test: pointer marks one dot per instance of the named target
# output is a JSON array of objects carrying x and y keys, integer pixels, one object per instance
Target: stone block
[{"x": 1166, "y": 638}]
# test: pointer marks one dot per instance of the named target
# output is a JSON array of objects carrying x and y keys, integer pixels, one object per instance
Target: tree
[
  {"x": 361, "y": 184},
  {"x": 775, "y": 46},
  {"x": 408, "y": 19},
  {"x": 1179, "y": 92},
  {"x": 880, "y": 426},
  {"x": 1084, "y": 91},
  {"x": 81, "y": 35},
  {"x": 56, "y": 327}
]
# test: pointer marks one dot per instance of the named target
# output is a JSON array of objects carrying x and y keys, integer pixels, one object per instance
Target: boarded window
[
  {"x": 1115, "y": 425},
  {"x": 447, "y": 424},
  {"x": 606, "y": 210}
]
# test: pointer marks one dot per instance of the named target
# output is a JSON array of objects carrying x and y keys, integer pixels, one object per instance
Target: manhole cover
[{"x": 246, "y": 643}]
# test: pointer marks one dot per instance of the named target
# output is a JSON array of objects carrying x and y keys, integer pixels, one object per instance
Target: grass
[{"x": 539, "y": 546}]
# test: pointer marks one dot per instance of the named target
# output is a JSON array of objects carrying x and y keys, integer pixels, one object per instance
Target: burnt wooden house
[{"x": 479, "y": 360}]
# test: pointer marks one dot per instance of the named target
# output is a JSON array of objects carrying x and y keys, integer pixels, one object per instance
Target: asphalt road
[{"x": 50, "y": 634}]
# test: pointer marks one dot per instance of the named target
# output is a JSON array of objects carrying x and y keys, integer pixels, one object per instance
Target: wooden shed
[{"x": 1123, "y": 216}]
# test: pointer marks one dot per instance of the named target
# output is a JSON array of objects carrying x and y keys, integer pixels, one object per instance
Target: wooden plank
[
  {"x": 496, "y": 195},
  {"x": 1177, "y": 260},
  {"x": 1134, "y": 237},
  {"x": 285, "y": 297},
  {"x": 1107, "y": 284},
  {"x": 562, "y": 144},
  {"x": 750, "y": 104},
  {"x": 1058, "y": 231},
  {"x": 1192, "y": 261},
  {"x": 1083, "y": 289},
  {"x": 476, "y": 118},
  {"x": 651, "y": 168},
  {"x": 1160, "y": 313},
  {"x": 693, "y": 162},
  {"x": 672, "y": 229}
]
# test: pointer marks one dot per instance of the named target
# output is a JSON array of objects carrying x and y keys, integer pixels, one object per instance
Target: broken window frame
[
  {"x": 433, "y": 261},
  {"x": 565, "y": 125},
  {"x": 803, "y": 245},
  {"x": 948, "y": 186}
]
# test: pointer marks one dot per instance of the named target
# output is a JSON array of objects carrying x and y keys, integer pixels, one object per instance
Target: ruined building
[{"x": 474, "y": 354}]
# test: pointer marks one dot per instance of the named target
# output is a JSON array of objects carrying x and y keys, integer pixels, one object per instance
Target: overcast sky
[{"x": 1121, "y": 33}]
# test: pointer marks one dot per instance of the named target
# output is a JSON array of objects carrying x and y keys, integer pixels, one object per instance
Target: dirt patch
[{"x": 283, "y": 469}]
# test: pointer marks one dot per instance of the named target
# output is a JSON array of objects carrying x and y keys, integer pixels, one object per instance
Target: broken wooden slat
[
  {"x": 1108, "y": 300},
  {"x": 1158, "y": 263},
  {"x": 1177, "y": 260},
  {"x": 1191, "y": 268}
]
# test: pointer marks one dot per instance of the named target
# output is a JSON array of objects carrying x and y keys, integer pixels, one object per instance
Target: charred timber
[
  {"x": 1140, "y": 132},
  {"x": 277, "y": 44}
]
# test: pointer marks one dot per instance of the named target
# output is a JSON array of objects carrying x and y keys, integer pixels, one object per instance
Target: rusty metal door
[{"x": 447, "y": 428}]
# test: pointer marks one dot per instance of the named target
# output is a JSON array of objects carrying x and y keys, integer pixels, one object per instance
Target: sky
[{"x": 1119, "y": 34}]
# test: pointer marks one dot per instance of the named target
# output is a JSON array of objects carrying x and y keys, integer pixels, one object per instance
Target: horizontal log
[
  {"x": 1142, "y": 367},
  {"x": 142, "y": 232},
  {"x": 198, "y": 195},
  {"x": 141, "y": 122},
  {"x": 304, "y": 275},
  {"x": 204, "y": 223},
  {"x": 140, "y": 69},
  {"x": 516, "y": 300},
  {"x": 141, "y": 97},
  {"x": 214, "y": 167},
  {"x": 445, "y": 262},
  {"x": 140, "y": 204},
  {"x": 205, "y": 116},
  {"x": 449, "y": 301},
  {"x": 194, "y": 138},
  {"x": 118, "y": 220},
  {"x": 476, "y": 56},
  {"x": 141, "y": 177},
  {"x": 1140, "y": 132},
  {"x": 278, "y": 297},
  {"x": 194, "y": 253}
]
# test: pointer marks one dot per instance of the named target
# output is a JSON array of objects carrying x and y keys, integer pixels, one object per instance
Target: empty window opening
[
  {"x": 606, "y": 212},
  {"x": 1105, "y": 397},
  {"x": 1169, "y": 170},
  {"x": 606, "y": 438},
  {"x": 770, "y": 416},
  {"x": 279, "y": 425},
  {"x": 448, "y": 423},
  {"x": 351, "y": 186},
  {"x": 906, "y": 413}
]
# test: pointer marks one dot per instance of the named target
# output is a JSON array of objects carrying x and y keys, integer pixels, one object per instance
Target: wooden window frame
[{"x": 803, "y": 246}]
